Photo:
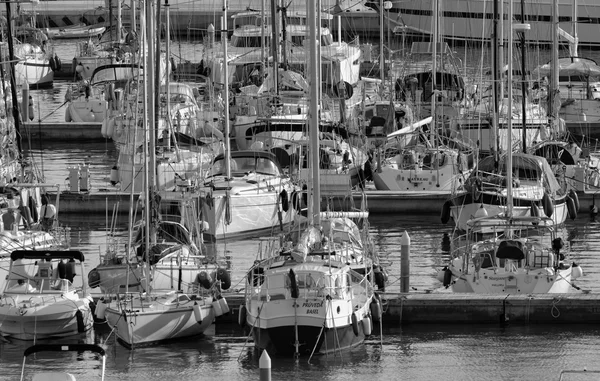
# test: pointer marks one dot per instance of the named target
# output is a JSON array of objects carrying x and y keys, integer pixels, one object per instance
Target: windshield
[{"x": 246, "y": 165}]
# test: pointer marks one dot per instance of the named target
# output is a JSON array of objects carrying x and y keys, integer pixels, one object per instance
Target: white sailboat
[
  {"x": 155, "y": 315},
  {"x": 417, "y": 158},
  {"x": 313, "y": 295},
  {"x": 534, "y": 189},
  {"x": 518, "y": 254}
]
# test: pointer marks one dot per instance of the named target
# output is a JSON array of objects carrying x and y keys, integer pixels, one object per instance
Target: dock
[
  {"x": 455, "y": 308},
  {"x": 378, "y": 202},
  {"x": 64, "y": 131},
  {"x": 97, "y": 202}
]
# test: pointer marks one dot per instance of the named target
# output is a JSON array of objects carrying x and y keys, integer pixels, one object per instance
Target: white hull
[
  {"x": 251, "y": 214},
  {"x": 463, "y": 213},
  {"x": 42, "y": 316},
  {"x": 522, "y": 282},
  {"x": 167, "y": 317},
  {"x": 34, "y": 73}
]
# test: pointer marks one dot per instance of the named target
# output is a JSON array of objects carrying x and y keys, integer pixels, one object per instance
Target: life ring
[
  {"x": 295, "y": 291},
  {"x": 445, "y": 217},
  {"x": 285, "y": 202},
  {"x": 94, "y": 278},
  {"x": 547, "y": 204},
  {"x": 575, "y": 198},
  {"x": 203, "y": 279},
  {"x": 355, "y": 324},
  {"x": 571, "y": 207},
  {"x": 447, "y": 277},
  {"x": 223, "y": 276},
  {"x": 242, "y": 313}
]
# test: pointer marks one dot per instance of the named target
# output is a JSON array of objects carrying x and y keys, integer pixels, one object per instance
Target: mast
[
  {"x": 13, "y": 87},
  {"x": 381, "y": 45},
  {"x": 274, "y": 44},
  {"x": 495, "y": 81},
  {"x": 553, "y": 93},
  {"x": 435, "y": 13},
  {"x": 313, "y": 127},
  {"x": 509, "y": 197},
  {"x": 226, "y": 91},
  {"x": 523, "y": 82},
  {"x": 574, "y": 45}
]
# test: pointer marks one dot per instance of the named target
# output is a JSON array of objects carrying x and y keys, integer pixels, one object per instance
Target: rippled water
[{"x": 415, "y": 352}]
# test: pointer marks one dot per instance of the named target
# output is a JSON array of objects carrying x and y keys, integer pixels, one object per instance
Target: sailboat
[
  {"x": 246, "y": 192},
  {"x": 313, "y": 295},
  {"x": 417, "y": 157},
  {"x": 155, "y": 315},
  {"x": 533, "y": 187},
  {"x": 517, "y": 254}
]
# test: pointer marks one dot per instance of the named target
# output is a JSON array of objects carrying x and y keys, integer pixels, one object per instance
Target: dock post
[
  {"x": 405, "y": 262},
  {"x": 264, "y": 363}
]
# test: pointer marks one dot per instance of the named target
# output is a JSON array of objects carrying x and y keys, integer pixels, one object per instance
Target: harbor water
[{"x": 409, "y": 352}]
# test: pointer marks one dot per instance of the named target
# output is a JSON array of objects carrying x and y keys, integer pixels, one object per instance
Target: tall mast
[
  {"x": 226, "y": 91},
  {"x": 435, "y": 19},
  {"x": 553, "y": 94},
  {"x": 523, "y": 82},
  {"x": 313, "y": 126},
  {"x": 574, "y": 46},
  {"x": 274, "y": 44},
  {"x": 381, "y": 45},
  {"x": 13, "y": 85},
  {"x": 495, "y": 81},
  {"x": 509, "y": 198}
]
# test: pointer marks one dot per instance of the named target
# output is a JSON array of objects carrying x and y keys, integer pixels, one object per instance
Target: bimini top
[
  {"x": 47, "y": 254},
  {"x": 524, "y": 166}
]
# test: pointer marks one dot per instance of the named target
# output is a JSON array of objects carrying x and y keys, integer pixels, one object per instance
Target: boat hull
[
  {"x": 155, "y": 323},
  {"x": 250, "y": 214},
  {"x": 280, "y": 340},
  {"x": 49, "y": 320},
  {"x": 522, "y": 281},
  {"x": 465, "y": 208}
]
